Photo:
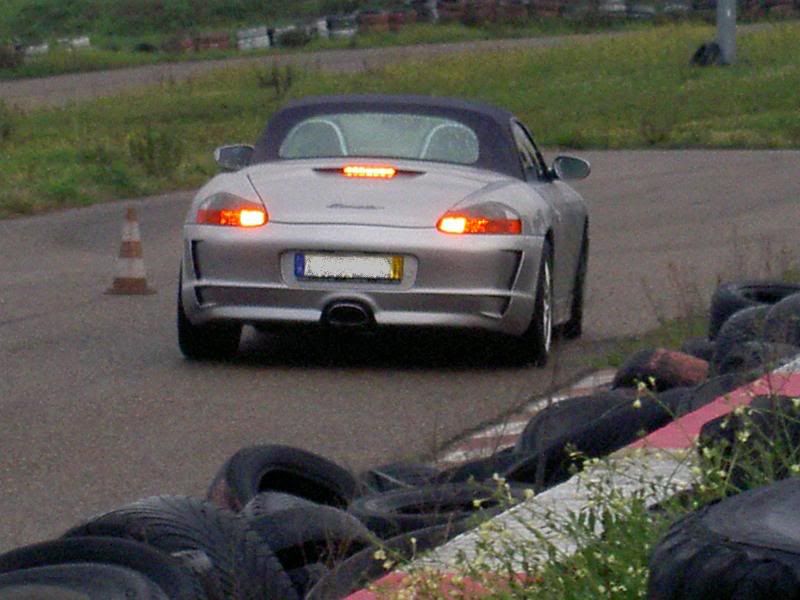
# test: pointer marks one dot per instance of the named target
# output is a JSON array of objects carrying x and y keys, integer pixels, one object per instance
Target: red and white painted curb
[
  {"x": 663, "y": 456},
  {"x": 502, "y": 435}
]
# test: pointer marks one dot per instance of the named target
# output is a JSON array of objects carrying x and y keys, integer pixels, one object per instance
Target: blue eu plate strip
[{"x": 299, "y": 264}]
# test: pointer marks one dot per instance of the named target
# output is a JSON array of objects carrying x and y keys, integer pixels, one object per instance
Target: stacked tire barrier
[
  {"x": 373, "y": 21},
  {"x": 278, "y": 522},
  {"x": 282, "y": 522},
  {"x": 451, "y": 11},
  {"x": 747, "y": 544}
]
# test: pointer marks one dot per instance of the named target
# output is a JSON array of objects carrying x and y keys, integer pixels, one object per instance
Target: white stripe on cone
[{"x": 131, "y": 277}]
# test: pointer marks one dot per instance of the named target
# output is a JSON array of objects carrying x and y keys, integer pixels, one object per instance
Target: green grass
[
  {"x": 42, "y": 19},
  {"x": 118, "y": 51},
  {"x": 635, "y": 91}
]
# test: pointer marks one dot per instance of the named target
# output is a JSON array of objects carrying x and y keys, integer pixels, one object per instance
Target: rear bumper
[{"x": 465, "y": 282}]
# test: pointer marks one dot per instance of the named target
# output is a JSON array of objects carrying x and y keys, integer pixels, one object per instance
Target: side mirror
[
  {"x": 233, "y": 158},
  {"x": 571, "y": 167}
]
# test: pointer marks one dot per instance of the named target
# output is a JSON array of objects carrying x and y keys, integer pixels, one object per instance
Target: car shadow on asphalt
[{"x": 392, "y": 349}]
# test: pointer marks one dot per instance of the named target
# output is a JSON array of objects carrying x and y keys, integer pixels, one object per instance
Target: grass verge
[
  {"x": 635, "y": 91},
  {"x": 119, "y": 51}
]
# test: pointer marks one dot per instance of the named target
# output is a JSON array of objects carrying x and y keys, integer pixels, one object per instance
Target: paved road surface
[{"x": 99, "y": 408}]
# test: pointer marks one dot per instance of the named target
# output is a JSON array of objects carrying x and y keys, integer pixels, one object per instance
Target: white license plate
[{"x": 338, "y": 266}]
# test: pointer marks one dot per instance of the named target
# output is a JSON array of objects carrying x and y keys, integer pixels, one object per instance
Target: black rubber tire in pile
[
  {"x": 398, "y": 475},
  {"x": 769, "y": 446},
  {"x": 166, "y": 572},
  {"x": 557, "y": 460},
  {"x": 238, "y": 566},
  {"x": 400, "y": 511},
  {"x": 747, "y": 325},
  {"x": 306, "y": 577},
  {"x": 364, "y": 567},
  {"x": 732, "y": 297},
  {"x": 782, "y": 324},
  {"x": 660, "y": 369},
  {"x": 745, "y": 547},
  {"x": 83, "y": 581},
  {"x": 307, "y": 535},
  {"x": 267, "y": 503},
  {"x": 755, "y": 357},
  {"x": 713, "y": 388},
  {"x": 699, "y": 347},
  {"x": 481, "y": 469},
  {"x": 568, "y": 415},
  {"x": 281, "y": 469}
]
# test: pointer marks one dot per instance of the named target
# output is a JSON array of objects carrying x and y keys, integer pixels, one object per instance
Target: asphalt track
[{"x": 98, "y": 407}]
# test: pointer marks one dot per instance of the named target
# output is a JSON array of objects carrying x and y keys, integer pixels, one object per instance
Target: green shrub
[{"x": 158, "y": 152}]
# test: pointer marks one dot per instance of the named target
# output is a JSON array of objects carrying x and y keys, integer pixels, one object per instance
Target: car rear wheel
[
  {"x": 574, "y": 327},
  {"x": 206, "y": 342},
  {"x": 538, "y": 338}
]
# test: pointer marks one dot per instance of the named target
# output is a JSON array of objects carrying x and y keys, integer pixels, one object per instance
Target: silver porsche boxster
[{"x": 380, "y": 211}]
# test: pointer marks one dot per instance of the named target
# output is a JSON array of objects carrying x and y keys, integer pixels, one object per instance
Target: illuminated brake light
[
  {"x": 245, "y": 217},
  {"x": 452, "y": 224},
  {"x": 252, "y": 218},
  {"x": 458, "y": 224},
  {"x": 369, "y": 172}
]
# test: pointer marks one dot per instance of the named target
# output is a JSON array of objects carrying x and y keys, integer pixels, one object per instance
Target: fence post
[{"x": 726, "y": 30}]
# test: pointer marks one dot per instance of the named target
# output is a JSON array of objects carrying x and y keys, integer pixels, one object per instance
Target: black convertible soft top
[{"x": 492, "y": 125}]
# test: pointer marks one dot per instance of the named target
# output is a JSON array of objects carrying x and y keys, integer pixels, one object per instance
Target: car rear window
[{"x": 382, "y": 135}]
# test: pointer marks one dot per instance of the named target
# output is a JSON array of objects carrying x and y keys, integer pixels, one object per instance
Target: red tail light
[
  {"x": 232, "y": 211},
  {"x": 461, "y": 223}
]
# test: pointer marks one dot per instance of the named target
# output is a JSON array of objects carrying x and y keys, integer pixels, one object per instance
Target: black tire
[
  {"x": 556, "y": 461},
  {"x": 281, "y": 469},
  {"x": 535, "y": 343},
  {"x": 87, "y": 581},
  {"x": 318, "y": 534},
  {"x": 364, "y": 567},
  {"x": 699, "y": 347},
  {"x": 480, "y": 469},
  {"x": 745, "y": 547},
  {"x": 267, "y": 503},
  {"x": 400, "y": 511},
  {"x": 732, "y": 297},
  {"x": 770, "y": 446},
  {"x": 660, "y": 369},
  {"x": 214, "y": 341},
  {"x": 573, "y": 328},
  {"x": 306, "y": 577},
  {"x": 756, "y": 357},
  {"x": 398, "y": 475},
  {"x": 166, "y": 572},
  {"x": 561, "y": 418},
  {"x": 782, "y": 324},
  {"x": 713, "y": 388},
  {"x": 239, "y": 565},
  {"x": 707, "y": 54},
  {"x": 747, "y": 325}
]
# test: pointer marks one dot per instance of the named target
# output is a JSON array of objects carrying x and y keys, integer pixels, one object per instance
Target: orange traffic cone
[{"x": 131, "y": 279}]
